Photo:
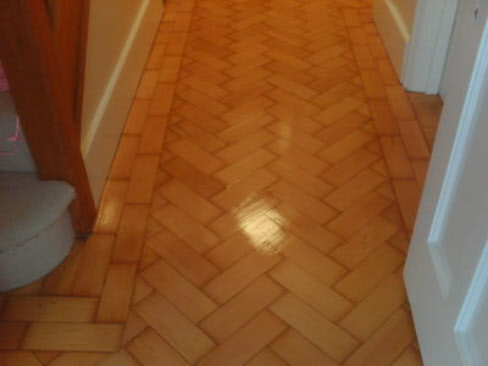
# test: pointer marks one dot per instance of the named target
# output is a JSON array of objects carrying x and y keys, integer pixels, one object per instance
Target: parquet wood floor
[{"x": 259, "y": 206}]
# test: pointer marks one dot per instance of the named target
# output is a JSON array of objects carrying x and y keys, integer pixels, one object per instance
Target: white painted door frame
[{"x": 427, "y": 49}]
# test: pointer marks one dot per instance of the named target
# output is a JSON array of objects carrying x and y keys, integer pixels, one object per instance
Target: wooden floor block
[
  {"x": 130, "y": 237},
  {"x": 117, "y": 293},
  {"x": 150, "y": 349},
  {"x": 125, "y": 157},
  {"x": 364, "y": 242},
  {"x": 322, "y": 298},
  {"x": 307, "y": 230},
  {"x": 370, "y": 273},
  {"x": 297, "y": 350},
  {"x": 73, "y": 337},
  {"x": 111, "y": 206},
  {"x": 237, "y": 277},
  {"x": 11, "y": 335},
  {"x": 188, "y": 262},
  {"x": 142, "y": 179},
  {"x": 240, "y": 309},
  {"x": 245, "y": 343},
  {"x": 50, "y": 309},
  {"x": 93, "y": 265},
  {"x": 393, "y": 336},
  {"x": 324, "y": 334},
  {"x": 193, "y": 177},
  {"x": 309, "y": 206},
  {"x": 194, "y": 205},
  {"x": 261, "y": 233},
  {"x": 121, "y": 358},
  {"x": 177, "y": 221},
  {"x": 410, "y": 357},
  {"x": 313, "y": 261},
  {"x": 80, "y": 358},
  {"x": 168, "y": 282},
  {"x": 62, "y": 279},
  {"x": 177, "y": 330},
  {"x": 16, "y": 358},
  {"x": 375, "y": 309},
  {"x": 266, "y": 358}
]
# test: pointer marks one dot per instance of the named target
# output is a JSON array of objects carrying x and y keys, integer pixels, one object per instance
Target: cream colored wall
[
  {"x": 406, "y": 10},
  {"x": 120, "y": 35},
  {"x": 109, "y": 26},
  {"x": 394, "y": 19}
]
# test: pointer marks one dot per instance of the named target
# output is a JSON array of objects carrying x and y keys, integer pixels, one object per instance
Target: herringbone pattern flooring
[{"x": 259, "y": 207}]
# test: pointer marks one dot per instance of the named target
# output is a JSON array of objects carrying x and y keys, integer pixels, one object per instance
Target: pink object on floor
[{"x": 3, "y": 80}]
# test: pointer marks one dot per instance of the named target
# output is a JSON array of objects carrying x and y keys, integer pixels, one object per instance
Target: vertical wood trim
[
  {"x": 41, "y": 97},
  {"x": 80, "y": 86}
]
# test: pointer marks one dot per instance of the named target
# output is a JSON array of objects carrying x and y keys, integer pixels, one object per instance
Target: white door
[{"x": 447, "y": 266}]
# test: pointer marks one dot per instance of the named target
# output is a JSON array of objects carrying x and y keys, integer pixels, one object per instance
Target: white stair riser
[{"x": 28, "y": 261}]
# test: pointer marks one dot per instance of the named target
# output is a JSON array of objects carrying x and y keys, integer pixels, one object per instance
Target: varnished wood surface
[{"x": 259, "y": 207}]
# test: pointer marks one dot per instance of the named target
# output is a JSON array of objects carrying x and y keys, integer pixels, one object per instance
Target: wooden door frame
[{"x": 30, "y": 60}]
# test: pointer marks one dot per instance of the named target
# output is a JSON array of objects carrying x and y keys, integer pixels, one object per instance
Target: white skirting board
[
  {"x": 106, "y": 123},
  {"x": 394, "y": 31},
  {"x": 417, "y": 35}
]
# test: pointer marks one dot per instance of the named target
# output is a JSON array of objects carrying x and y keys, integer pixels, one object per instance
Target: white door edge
[
  {"x": 469, "y": 115},
  {"x": 471, "y": 305}
]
